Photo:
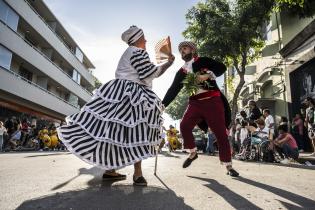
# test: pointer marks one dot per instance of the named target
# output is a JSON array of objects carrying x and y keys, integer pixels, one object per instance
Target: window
[
  {"x": 8, "y": 16},
  {"x": 3, "y": 11},
  {"x": 73, "y": 99},
  {"x": 5, "y": 57},
  {"x": 76, "y": 76},
  {"x": 26, "y": 74},
  {"x": 267, "y": 30},
  {"x": 79, "y": 54}
]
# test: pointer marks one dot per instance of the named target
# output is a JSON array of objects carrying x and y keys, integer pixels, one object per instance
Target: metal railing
[
  {"x": 38, "y": 86},
  {"x": 45, "y": 56},
  {"x": 52, "y": 30}
]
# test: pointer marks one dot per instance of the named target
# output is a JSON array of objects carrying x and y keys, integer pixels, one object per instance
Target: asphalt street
[{"x": 59, "y": 180}]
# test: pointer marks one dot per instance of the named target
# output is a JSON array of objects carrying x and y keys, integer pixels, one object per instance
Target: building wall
[
  {"x": 291, "y": 26},
  {"x": 32, "y": 93},
  {"x": 23, "y": 9},
  {"x": 18, "y": 46}
]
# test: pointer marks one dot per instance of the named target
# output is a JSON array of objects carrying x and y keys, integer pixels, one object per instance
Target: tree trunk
[
  {"x": 241, "y": 72},
  {"x": 236, "y": 95}
]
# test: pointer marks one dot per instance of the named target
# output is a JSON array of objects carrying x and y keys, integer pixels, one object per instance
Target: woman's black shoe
[
  {"x": 188, "y": 161},
  {"x": 110, "y": 177},
  {"x": 140, "y": 181},
  {"x": 232, "y": 173}
]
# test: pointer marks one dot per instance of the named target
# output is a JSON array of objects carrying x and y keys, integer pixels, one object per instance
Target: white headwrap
[
  {"x": 131, "y": 35},
  {"x": 187, "y": 43}
]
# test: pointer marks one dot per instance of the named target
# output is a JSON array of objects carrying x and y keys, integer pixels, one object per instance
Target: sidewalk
[{"x": 305, "y": 156}]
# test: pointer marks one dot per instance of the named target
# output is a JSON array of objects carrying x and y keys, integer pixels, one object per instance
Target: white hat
[{"x": 131, "y": 35}]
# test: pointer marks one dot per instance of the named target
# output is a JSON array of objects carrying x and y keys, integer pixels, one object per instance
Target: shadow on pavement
[
  {"x": 282, "y": 165},
  {"x": 105, "y": 195},
  {"x": 235, "y": 200},
  {"x": 51, "y": 154},
  {"x": 96, "y": 172},
  {"x": 305, "y": 203},
  {"x": 168, "y": 154}
]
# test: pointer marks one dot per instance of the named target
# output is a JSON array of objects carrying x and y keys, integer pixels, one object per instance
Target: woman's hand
[{"x": 171, "y": 58}]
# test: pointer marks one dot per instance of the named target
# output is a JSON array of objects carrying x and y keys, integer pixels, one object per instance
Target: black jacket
[{"x": 217, "y": 68}]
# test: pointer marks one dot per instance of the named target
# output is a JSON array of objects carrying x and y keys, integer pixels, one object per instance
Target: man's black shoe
[
  {"x": 188, "y": 161},
  {"x": 232, "y": 173}
]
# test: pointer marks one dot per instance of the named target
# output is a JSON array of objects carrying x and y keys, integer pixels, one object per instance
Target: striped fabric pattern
[
  {"x": 118, "y": 127},
  {"x": 141, "y": 62}
]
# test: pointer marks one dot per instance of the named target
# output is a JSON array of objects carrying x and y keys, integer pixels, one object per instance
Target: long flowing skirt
[{"x": 118, "y": 127}]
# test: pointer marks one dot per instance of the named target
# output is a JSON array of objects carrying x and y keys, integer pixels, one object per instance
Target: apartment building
[
  {"x": 277, "y": 80},
  {"x": 43, "y": 71}
]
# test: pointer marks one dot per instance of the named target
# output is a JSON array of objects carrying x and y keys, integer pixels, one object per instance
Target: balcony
[
  {"x": 31, "y": 16},
  {"x": 23, "y": 48},
  {"x": 15, "y": 84}
]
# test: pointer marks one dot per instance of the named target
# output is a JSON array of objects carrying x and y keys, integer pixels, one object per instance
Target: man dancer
[{"x": 208, "y": 107}]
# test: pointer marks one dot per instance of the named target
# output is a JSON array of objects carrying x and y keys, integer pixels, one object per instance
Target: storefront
[{"x": 302, "y": 82}]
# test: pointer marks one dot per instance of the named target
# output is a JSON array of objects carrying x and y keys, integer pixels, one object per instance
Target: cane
[{"x": 156, "y": 157}]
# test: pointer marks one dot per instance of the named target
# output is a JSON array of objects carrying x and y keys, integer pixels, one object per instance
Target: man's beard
[{"x": 187, "y": 57}]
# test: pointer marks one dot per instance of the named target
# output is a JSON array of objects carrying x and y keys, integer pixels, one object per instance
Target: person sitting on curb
[{"x": 285, "y": 144}]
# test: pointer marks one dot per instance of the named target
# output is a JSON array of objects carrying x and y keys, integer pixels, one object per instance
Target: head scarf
[
  {"x": 131, "y": 35},
  {"x": 189, "y": 44}
]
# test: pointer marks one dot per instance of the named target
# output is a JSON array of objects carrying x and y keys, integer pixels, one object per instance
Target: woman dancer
[{"x": 121, "y": 124}]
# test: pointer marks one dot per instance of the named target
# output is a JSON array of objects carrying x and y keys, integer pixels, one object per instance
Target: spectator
[
  {"x": 298, "y": 132},
  {"x": 15, "y": 137},
  {"x": 261, "y": 131},
  {"x": 3, "y": 130},
  {"x": 237, "y": 131},
  {"x": 254, "y": 112},
  {"x": 309, "y": 121},
  {"x": 211, "y": 140},
  {"x": 284, "y": 121},
  {"x": 243, "y": 116},
  {"x": 269, "y": 122},
  {"x": 244, "y": 132},
  {"x": 24, "y": 131},
  {"x": 286, "y": 145}
]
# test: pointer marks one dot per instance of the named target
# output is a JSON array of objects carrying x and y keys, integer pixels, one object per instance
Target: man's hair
[
  {"x": 252, "y": 102},
  {"x": 283, "y": 127},
  {"x": 267, "y": 110},
  {"x": 260, "y": 122},
  {"x": 310, "y": 99}
]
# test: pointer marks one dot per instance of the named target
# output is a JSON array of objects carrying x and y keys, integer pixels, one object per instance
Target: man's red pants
[{"x": 212, "y": 111}]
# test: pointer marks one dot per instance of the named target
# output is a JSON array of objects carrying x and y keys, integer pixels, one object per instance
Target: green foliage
[
  {"x": 190, "y": 84},
  {"x": 301, "y": 8},
  {"x": 230, "y": 84},
  {"x": 97, "y": 83},
  {"x": 177, "y": 108},
  {"x": 228, "y": 32}
]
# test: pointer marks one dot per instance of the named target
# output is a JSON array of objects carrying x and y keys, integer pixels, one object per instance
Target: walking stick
[{"x": 156, "y": 157}]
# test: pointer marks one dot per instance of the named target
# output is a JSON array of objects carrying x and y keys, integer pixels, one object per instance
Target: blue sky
[{"x": 97, "y": 26}]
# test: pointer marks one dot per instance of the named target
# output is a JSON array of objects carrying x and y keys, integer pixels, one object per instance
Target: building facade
[
  {"x": 43, "y": 71},
  {"x": 274, "y": 80}
]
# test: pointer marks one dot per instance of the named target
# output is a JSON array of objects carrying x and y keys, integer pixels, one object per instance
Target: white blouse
[{"x": 135, "y": 65}]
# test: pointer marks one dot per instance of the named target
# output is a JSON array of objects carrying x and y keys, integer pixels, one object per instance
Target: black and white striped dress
[{"x": 121, "y": 124}]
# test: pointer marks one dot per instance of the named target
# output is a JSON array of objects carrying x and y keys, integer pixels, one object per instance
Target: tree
[
  {"x": 301, "y": 8},
  {"x": 177, "y": 108},
  {"x": 230, "y": 32},
  {"x": 97, "y": 83}
]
